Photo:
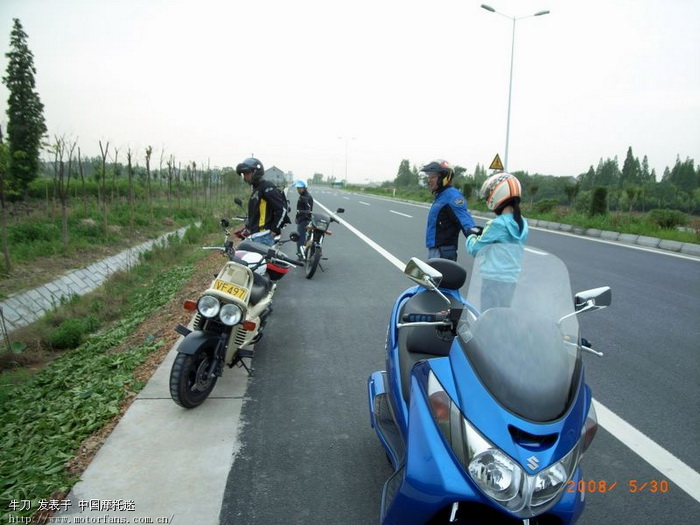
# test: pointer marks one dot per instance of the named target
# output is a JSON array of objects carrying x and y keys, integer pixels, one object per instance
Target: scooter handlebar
[
  {"x": 283, "y": 257},
  {"x": 424, "y": 318}
]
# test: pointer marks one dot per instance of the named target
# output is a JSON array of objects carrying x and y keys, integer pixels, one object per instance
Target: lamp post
[
  {"x": 510, "y": 84},
  {"x": 346, "y": 156}
]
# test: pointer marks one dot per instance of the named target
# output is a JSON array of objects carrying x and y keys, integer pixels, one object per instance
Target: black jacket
[
  {"x": 305, "y": 206},
  {"x": 266, "y": 208}
]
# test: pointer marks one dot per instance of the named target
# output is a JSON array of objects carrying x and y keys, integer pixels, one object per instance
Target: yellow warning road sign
[{"x": 496, "y": 164}]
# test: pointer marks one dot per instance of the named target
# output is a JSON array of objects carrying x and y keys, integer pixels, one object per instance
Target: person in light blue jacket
[{"x": 505, "y": 236}]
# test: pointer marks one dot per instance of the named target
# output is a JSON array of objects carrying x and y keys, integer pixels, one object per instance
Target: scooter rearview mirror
[{"x": 422, "y": 273}]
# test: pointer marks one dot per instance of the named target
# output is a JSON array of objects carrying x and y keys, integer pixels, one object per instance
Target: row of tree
[{"x": 632, "y": 188}]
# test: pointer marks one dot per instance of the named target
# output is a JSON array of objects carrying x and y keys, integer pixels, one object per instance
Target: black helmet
[
  {"x": 251, "y": 165},
  {"x": 444, "y": 170}
]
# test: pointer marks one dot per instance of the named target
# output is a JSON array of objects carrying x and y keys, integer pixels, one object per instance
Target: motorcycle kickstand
[{"x": 239, "y": 360}]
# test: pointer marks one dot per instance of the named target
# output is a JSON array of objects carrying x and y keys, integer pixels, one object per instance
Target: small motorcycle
[
  {"x": 229, "y": 318},
  {"x": 316, "y": 231},
  {"x": 484, "y": 412}
]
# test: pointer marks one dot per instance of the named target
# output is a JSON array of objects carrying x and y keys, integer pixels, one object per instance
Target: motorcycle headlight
[
  {"x": 208, "y": 306},
  {"x": 496, "y": 475},
  {"x": 549, "y": 483},
  {"x": 230, "y": 314}
]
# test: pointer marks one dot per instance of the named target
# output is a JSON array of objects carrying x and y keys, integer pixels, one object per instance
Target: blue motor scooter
[{"x": 483, "y": 409}]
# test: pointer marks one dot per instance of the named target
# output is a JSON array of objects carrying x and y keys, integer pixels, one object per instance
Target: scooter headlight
[
  {"x": 208, "y": 306},
  {"x": 230, "y": 314},
  {"x": 549, "y": 483},
  {"x": 496, "y": 474}
]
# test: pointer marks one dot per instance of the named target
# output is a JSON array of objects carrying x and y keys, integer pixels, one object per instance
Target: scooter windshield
[{"x": 521, "y": 346}]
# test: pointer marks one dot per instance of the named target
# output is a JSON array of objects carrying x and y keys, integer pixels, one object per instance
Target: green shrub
[
  {"x": 668, "y": 219},
  {"x": 545, "y": 206},
  {"x": 599, "y": 202},
  {"x": 32, "y": 232},
  {"x": 72, "y": 331}
]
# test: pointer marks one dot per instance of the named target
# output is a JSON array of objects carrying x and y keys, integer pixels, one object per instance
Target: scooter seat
[
  {"x": 417, "y": 343},
  {"x": 453, "y": 275},
  {"x": 261, "y": 287}
]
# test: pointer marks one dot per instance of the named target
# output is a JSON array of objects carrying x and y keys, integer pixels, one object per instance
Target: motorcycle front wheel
[
  {"x": 189, "y": 386},
  {"x": 313, "y": 258}
]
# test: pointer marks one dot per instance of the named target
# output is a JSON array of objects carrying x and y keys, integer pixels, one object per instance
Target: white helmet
[{"x": 499, "y": 188}]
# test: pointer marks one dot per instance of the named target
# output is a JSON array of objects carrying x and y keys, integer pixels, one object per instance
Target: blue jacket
[
  {"x": 503, "y": 264},
  {"x": 448, "y": 215}
]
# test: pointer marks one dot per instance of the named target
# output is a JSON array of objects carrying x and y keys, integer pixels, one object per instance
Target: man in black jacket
[
  {"x": 305, "y": 206},
  {"x": 267, "y": 209}
]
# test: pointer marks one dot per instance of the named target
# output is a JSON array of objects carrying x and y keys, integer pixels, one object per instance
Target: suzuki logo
[{"x": 533, "y": 462}]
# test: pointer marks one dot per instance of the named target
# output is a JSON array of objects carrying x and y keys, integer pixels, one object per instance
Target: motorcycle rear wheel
[
  {"x": 188, "y": 385},
  {"x": 313, "y": 258}
]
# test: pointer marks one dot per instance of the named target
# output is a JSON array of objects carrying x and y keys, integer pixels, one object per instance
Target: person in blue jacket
[
  {"x": 505, "y": 238},
  {"x": 448, "y": 214}
]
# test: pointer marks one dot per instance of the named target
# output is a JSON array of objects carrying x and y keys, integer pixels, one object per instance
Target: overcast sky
[{"x": 300, "y": 82}]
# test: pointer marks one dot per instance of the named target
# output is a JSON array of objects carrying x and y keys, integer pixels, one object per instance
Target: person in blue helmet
[
  {"x": 305, "y": 206},
  {"x": 448, "y": 214},
  {"x": 505, "y": 235}
]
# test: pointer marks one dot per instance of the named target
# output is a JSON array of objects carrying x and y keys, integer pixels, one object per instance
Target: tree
[
  {"x": 631, "y": 170},
  {"x": 608, "y": 173},
  {"x": 571, "y": 191},
  {"x": 599, "y": 204},
  {"x": 62, "y": 178},
  {"x": 406, "y": 178},
  {"x": 4, "y": 164},
  {"x": 103, "y": 177},
  {"x": 25, "y": 126}
]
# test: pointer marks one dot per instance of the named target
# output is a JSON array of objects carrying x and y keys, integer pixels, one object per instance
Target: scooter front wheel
[
  {"x": 189, "y": 384},
  {"x": 313, "y": 258}
]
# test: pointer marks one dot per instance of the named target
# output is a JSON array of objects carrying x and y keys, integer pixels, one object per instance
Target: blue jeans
[
  {"x": 266, "y": 239},
  {"x": 444, "y": 252},
  {"x": 301, "y": 230}
]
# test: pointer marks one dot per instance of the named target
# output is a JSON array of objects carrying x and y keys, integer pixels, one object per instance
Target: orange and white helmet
[{"x": 499, "y": 188}]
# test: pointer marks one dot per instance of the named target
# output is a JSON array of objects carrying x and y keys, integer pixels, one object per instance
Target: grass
[
  {"x": 45, "y": 415},
  {"x": 36, "y": 248}
]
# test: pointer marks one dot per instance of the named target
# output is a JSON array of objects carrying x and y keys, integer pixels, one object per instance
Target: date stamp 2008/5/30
[{"x": 633, "y": 486}]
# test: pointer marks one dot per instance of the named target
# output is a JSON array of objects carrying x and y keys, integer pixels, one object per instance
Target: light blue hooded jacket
[{"x": 504, "y": 230}]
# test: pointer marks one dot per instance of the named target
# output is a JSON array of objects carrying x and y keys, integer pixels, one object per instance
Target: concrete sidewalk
[{"x": 163, "y": 463}]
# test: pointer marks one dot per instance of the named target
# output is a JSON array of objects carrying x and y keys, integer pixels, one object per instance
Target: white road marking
[
  {"x": 651, "y": 452},
  {"x": 365, "y": 203},
  {"x": 402, "y": 214}
]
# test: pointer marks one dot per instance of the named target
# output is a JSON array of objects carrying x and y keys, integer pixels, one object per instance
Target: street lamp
[
  {"x": 346, "y": 156},
  {"x": 512, "y": 53}
]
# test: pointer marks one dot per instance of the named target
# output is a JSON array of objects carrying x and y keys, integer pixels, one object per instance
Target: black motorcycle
[{"x": 316, "y": 231}]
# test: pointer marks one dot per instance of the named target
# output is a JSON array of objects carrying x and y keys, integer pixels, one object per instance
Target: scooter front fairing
[{"x": 434, "y": 472}]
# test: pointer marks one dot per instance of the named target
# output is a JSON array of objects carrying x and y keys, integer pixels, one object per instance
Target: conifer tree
[{"x": 25, "y": 125}]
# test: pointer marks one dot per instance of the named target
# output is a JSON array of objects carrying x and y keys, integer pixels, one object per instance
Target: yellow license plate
[{"x": 231, "y": 289}]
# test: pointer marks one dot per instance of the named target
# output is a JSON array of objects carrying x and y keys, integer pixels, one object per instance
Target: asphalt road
[{"x": 308, "y": 453}]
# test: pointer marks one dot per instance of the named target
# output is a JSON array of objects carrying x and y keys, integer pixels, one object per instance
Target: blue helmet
[{"x": 299, "y": 184}]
